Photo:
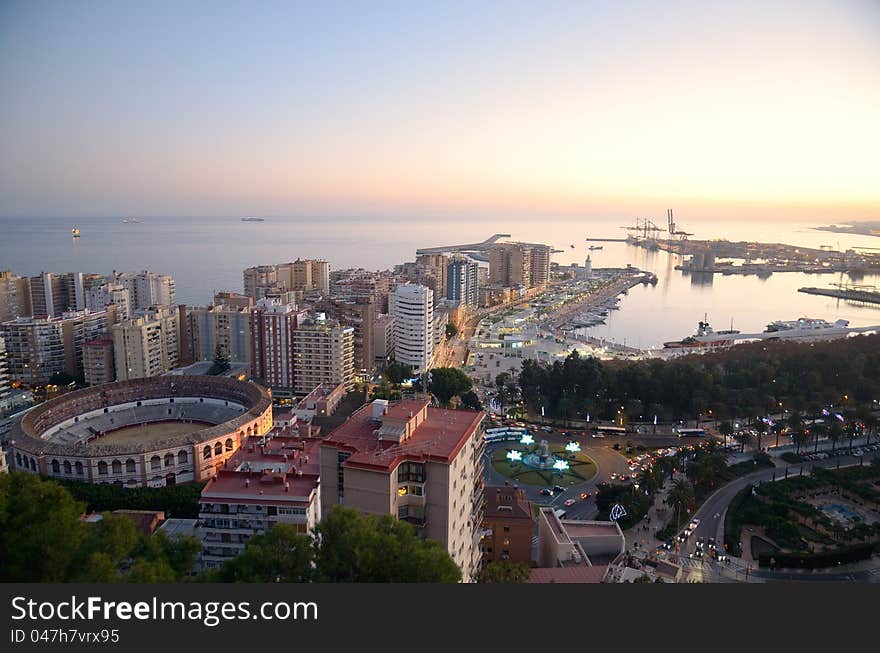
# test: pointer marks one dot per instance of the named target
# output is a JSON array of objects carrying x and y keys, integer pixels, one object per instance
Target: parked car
[
  {"x": 569, "y": 502},
  {"x": 546, "y": 491},
  {"x": 559, "y": 489}
]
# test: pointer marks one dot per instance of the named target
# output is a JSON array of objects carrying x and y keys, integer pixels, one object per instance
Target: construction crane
[
  {"x": 644, "y": 228},
  {"x": 673, "y": 230}
]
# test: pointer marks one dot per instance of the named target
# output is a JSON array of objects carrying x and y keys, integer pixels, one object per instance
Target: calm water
[{"x": 208, "y": 254}]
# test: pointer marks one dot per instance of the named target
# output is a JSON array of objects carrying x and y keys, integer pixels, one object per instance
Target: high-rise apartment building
[
  {"x": 259, "y": 278},
  {"x": 37, "y": 348},
  {"x": 417, "y": 463},
  {"x": 233, "y": 299},
  {"x": 509, "y": 265},
  {"x": 147, "y": 289},
  {"x": 15, "y": 296},
  {"x": 413, "y": 310},
  {"x": 323, "y": 352},
  {"x": 101, "y": 295},
  {"x": 462, "y": 282},
  {"x": 224, "y": 327},
  {"x": 147, "y": 345},
  {"x": 360, "y": 315},
  {"x": 98, "y": 364},
  {"x": 272, "y": 327},
  {"x": 4, "y": 374},
  {"x": 539, "y": 265},
  {"x": 383, "y": 339}
]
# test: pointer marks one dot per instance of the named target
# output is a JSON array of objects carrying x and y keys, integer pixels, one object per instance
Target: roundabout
[{"x": 543, "y": 464}]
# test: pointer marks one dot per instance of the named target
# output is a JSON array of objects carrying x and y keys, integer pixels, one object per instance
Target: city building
[
  {"x": 99, "y": 366},
  {"x": 462, "y": 282},
  {"x": 38, "y": 348},
  {"x": 323, "y": 352},
  {"x": 272, "y": 326},
  {"x": 99, "y": 296},
  {"x": 509, "y": 265},
  {"x": 441, "y": 319},
  {"x": 383, "y": 339},
  {"x": 146, "y": 288},
  {"x": 15, "y": 296},
  {"x": 415, "y": 462},
  {"x": 361, "y": 316},
  {"x": 575, "y": 551},
  {"x": 223, "y": 328},
  {"x": 508, "y": 524},
  {"x": 304, "y": 274},
  {"x": 320, "y": 402},
  {"x": 362, "y": 286},
  {"x": 267, "y": 482},
  {"x": 147, "y": 345},
  {"x": 235, "y": 299},
  {"x": 258, "y": 279},
  {"x": 4, "y": 375},
  {"x": 539, "y": 265},
  {"x": 413, "y": 310}
]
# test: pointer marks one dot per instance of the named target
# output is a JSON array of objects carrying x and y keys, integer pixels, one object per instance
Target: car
[
  {"x": 623, "y": 477},
  {"x": 546, "y": 491},
  {"x": 548, "y": 429},
  {"x": 558, "y": 489},
  {"x": 603, "y": 484},
  {"x": 598, "y": 435},
  {"x": 613, "y": 476},
  {"x": 584, "y": 496},
  {"x": 569, "y": 502},
  {"x": 858, "y": 452},
  {"x": 669, "y": 545},
  {"x": 722, "y": 557},
  {"x": 694, "y": 523},
  {"x": 712, "y": 545}
]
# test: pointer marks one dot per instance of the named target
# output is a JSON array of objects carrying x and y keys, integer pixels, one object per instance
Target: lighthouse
[{"x": 588, "y": 268}]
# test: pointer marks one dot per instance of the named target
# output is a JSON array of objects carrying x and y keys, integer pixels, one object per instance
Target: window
[
  {"x": 218, "y": 449},
  {"x": 229, "y": 444},
  {"x": 117, "y": 467},
  {"x": 507, "y": 529},
  {"x": 182, "y": 458},
  {"x": 78, "y": 466},
  {"x": 411, "y": 472},
  {"x": 169, "y": 460},
  {"x": 56, "y": 467},
  {"x": 155, "y": 463},
  {"x": 67, "y": 467},
  {"x": 102, "y": 468},
  {"x": 129, "y": 466},
  {"x": 206, "y": 452}
]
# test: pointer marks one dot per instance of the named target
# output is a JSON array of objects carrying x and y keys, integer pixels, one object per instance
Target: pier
[{"x": 849, "y": 294}]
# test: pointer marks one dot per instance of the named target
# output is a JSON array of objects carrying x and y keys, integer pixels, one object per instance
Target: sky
[{"x": 432, "y": 109}]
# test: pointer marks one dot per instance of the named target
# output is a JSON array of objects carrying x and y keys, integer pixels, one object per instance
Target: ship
[
  {"x": 252, "y": 220},
  {"x": 807, "y": 328},
  {"x": 705, "y": 336},
  {"x": 75, "y": 231},
  {"x": 594, "y": 247}
]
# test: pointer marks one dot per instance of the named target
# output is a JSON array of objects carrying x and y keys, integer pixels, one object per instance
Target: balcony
[{"x": 415, "y": 515}]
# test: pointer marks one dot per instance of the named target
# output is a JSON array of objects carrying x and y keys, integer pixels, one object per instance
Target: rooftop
[
  {"x": 280, "y": 469},
  {"x": 403, "y": 430},
  {"x": 568, "y": 574},
  {"x": 504, "y": 502}
]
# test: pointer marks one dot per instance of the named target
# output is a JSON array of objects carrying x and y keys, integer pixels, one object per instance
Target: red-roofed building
[
  {"x": 418, "y": 463},
  {"x": 268, "y": 481}
]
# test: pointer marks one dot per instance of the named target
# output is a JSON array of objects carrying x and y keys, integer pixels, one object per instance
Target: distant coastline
[{"x": 861, "y": 228}]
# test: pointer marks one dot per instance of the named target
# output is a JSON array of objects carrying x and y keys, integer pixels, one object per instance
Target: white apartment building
[
  {"x": 147, "y": 289},
  {"x": 147, "y": 345},
  {"x": 413, "y": 309}
]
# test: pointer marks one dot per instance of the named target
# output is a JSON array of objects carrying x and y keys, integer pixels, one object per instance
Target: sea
[{"x": 208, "y": 254}]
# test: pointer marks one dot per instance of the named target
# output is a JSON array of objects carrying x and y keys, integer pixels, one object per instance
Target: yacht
[{"x": 75, "y": 231}]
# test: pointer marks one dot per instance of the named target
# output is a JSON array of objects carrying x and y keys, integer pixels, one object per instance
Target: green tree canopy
[
  {"x": 505, "y": 571},
  {"x": 448, "y": 382},
  {"x": 396, "y": 373}
]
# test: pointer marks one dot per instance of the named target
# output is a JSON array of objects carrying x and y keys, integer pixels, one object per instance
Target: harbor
[{"x": 859, "y": 295}]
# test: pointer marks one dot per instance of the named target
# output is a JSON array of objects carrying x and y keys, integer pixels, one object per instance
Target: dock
[{"x": 849, "y": 294}]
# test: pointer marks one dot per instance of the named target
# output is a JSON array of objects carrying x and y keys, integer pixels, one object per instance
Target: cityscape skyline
[{"x": 575, "y": 110}]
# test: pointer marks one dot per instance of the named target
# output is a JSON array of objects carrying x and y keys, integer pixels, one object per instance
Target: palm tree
[
  {"x": 870, "y": 424},
  {"x": 743, "y": 438},
  {"x": 835, "y": 431},
  {"x": 725, "y": 429},
  {"x": 681, "y": 494},
  {"x": 852, "y": 429},
  {"x": 798, "y": 430},
  {"x": 818, "y": 429},
  {"x": 778, "y": 428},
  {"x": 761, "y": 428}
]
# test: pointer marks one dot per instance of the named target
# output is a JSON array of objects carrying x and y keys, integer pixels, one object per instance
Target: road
[{"x": 711, "y": 515}]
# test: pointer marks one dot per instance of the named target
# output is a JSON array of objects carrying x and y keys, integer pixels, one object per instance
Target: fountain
[{"x": 541, "y": 458}]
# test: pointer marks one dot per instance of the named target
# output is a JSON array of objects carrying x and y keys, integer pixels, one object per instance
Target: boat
[
  {"x": 252, "y": 220},
  {"x": 572, "y": 246},
  {"x": 594, "y": 247},
  {"x": 807, "y": 328},
  {"x": 705, "y": 336},
  {"x": 75, "y": 232}
]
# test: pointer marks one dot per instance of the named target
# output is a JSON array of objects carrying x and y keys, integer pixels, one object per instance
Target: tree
[
  {"x": 221, "y": 362},
  {"x": 835, "y": 432},
  {"x": 447, "y": 382},
  {"x": 280, "y": 555},
  {"x": 819, "y": 430},
  {"x": 357, "y": 548},
  {"x": 644, "y": 578},
  {"x": 505, "y": 571},
  {"x": 743, "y": 438},
  {"x": 40, "y": 529},
  {"x": 61, "y": 379},
  {"x": 451, "y": 330},
  {"x": 681, "y": 494},
  {"x": 761, "y": 429},
  {"x": 471, "y": 401},
  {"x": 726, "y": 429},
  {"x": 396, "y": 373}
]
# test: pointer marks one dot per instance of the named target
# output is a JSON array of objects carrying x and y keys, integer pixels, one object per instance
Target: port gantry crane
[
  {"x": 644, "y": 228},
  {"x": 673, "y": 229}
]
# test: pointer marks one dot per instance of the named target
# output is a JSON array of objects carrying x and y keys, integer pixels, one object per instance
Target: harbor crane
[
  {"x": 644, "y": 228},
  {"x": 673, "y": 229}
]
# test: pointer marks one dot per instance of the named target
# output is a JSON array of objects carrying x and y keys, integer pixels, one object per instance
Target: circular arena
[{"x": 144, "y": 432}]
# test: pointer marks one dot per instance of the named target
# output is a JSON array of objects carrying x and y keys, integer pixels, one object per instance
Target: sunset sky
[{"x": 519, "y": 109}]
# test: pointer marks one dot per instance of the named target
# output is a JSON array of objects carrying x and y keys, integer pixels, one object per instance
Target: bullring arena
[{"x": 153, "y": 432}]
